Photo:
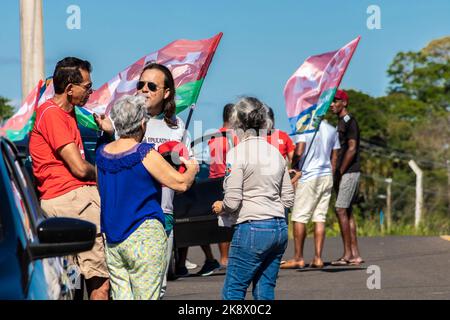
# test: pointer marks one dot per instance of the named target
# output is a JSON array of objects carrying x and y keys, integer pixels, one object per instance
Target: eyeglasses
[
  {"x": 85, "y": 87},
  {"x": 150, "y": 85}
]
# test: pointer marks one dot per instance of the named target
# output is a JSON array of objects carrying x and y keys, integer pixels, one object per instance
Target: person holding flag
[
  {"x": 309, "y": 93},
  {"x": 171, "y": 82},
  {"x": 313, "y": 188}
]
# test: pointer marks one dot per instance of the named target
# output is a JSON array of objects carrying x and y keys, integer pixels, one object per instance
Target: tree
[
  {"x": 424, "y": 75},
  {"x": 6, "y": 110}
]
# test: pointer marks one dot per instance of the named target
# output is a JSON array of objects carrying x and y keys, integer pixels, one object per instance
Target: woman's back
[
  {"x": 129, "y": 194},
  {"x": 257, "y": 183}
]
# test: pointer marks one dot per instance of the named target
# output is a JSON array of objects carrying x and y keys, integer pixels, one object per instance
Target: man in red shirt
[
  {"x": 218, "y": 148},
  {"x": 65, "y": 180},
  {"x": 280, "y": 140}
]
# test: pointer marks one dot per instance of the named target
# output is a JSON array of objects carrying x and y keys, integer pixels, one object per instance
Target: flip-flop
[
  {"x": 340, "y": 262},
  {"x": 355, "y": 263}
]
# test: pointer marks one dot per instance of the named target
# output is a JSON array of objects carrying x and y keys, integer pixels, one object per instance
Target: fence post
[
  {"x": 419, "y": 192},
  {"x": 389, "y": 204}
]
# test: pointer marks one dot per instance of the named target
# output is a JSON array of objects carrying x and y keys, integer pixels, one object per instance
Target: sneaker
[
  {"x": 182, "y": 272},
  {"x": 190, "y": 265},
  {"x": 208, "y": 268}
]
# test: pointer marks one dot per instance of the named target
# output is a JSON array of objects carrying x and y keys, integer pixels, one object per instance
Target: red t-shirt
[
  {"x": 53, "y": 129},
  {"x": 280, "y": 140},
  {"x": 218, "y": 148}
]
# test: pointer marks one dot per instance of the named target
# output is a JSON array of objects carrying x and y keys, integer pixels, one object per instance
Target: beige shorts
[
  {"x": 312, "y": 199},
  {"x": 82, "y": 203}
]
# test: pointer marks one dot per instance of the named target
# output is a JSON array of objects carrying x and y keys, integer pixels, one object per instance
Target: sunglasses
[
  {"x": 150, "y": 85},
  {"x": 87, "y": 87}
]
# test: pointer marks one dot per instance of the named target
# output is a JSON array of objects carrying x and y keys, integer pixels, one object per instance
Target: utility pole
[
  {"x": 448, "y": 187},
  {"x": 389, "y": 204},
  {"x": 419, "y": 191},
  {"x": 32, "y": 44}
]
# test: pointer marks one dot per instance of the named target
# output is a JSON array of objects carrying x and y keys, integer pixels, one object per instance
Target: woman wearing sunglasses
[{"x": 157, "y": 86}]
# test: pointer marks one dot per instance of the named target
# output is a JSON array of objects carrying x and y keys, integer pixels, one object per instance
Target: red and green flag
[
  {"x": 188, "y": 60},
  {"x": 20, "y": 124}
]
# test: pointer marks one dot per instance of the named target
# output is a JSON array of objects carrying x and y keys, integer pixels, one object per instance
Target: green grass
[{"x": 431, "y": 226}]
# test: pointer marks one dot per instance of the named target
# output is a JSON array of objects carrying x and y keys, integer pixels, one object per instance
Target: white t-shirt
[
  {"x": 158, "y": 132},
  {"x": 318, "y": 163}
]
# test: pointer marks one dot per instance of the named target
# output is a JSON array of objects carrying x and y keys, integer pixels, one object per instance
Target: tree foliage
[
  {"x": 411, "y": 122},
  {"x": 6, "y": 110}
]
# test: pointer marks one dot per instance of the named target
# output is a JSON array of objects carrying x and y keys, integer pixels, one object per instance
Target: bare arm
[
  {"x": 79, "y": 167},
  {"x": 287, "y": 191},
  {"x": 165, "y": 174},
  {"x": 348, "y": 156},
  {"x": 334, "y": 157},
  {"x": 299, "y": 150},
  {"x": 290, "y": 157}
]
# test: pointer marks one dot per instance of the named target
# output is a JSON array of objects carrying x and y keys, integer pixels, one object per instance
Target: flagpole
[
  {"x": 191, "y": 112},
  {"x": 200, "y": 76},
  {"x": 310, "y": 145}
]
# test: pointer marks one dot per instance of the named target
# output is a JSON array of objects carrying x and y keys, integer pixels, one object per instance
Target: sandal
[
  {"x": 355, "y": 263},
  {"x": 316, "y": 266},
  {"x": 340, "y": 262},
  {"x": 291, "y": 264}
]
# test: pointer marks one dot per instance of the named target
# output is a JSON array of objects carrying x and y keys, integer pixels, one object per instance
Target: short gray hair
[
  {"x": 250, "y": 115},
  {"x": 127, "y": 115}
]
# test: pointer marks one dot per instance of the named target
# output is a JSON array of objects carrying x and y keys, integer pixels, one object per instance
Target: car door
[
  {"x": 194, "y": 221},
  {"x": 19, "y": 230},
  {"x": 40, "y": 279}
]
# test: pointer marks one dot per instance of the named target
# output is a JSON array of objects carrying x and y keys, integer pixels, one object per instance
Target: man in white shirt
[{"x": 314, "y": 184}]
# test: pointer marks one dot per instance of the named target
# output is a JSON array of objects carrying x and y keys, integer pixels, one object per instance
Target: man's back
[{"x": 318, "y": 161}]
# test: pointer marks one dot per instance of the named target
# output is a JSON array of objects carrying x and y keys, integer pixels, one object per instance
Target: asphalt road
[{"x": 409, "y": 268}]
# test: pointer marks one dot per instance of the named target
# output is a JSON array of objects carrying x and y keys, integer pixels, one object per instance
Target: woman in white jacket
[{"x": 257, "y": 191}]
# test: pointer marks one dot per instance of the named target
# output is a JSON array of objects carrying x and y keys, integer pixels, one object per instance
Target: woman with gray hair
[
  {"x": 257, "y": 190},
  {"x": 129, "y": 175}
]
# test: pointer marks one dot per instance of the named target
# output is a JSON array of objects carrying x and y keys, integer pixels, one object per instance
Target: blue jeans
[{"x": 255, "y": 254}]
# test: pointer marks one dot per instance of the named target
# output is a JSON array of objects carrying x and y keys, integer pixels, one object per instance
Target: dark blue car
[{"x": 33, "y": 248}]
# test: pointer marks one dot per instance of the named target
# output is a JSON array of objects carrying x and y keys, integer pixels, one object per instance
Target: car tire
[{"x": 171, "y": 274}]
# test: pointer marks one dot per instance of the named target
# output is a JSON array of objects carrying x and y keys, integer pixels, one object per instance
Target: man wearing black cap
[{"x": 346, "y": 178}]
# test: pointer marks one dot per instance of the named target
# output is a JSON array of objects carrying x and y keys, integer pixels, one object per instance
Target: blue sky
[{"x": 264, "y": 42}]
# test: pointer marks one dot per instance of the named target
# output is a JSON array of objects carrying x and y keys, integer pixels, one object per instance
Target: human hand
[
  {"x": 217, "y": 207},
  {"x": 104, "y": 123},
  {"x": 191, "y": 164},
  {"x": 295, "y": 176}
]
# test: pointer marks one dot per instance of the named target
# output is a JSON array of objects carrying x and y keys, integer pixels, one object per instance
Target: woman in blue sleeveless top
[{"x": 130, "y": 174}]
